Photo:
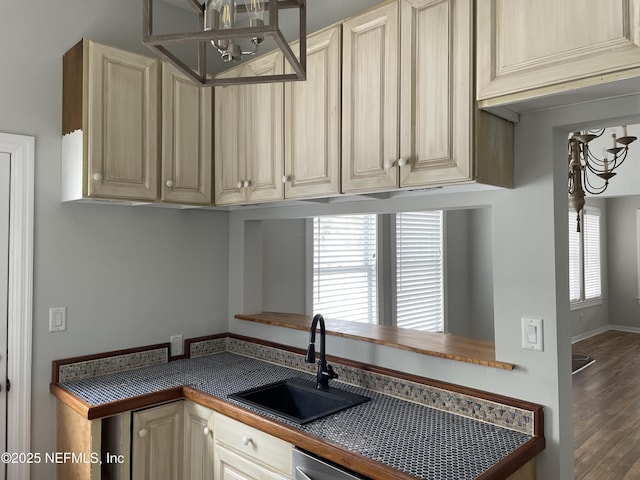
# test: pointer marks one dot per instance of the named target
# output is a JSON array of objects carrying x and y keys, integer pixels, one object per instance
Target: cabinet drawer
[{"x": 253, "y": 444}]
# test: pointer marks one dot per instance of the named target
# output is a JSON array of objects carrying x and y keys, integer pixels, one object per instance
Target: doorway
[{"x": 19, "y": 152}]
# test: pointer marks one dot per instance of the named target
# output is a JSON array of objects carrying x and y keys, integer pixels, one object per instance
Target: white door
[{"x": 4, "y": 292}]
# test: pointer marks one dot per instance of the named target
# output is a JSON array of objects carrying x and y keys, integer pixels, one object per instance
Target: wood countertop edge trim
[
  {"x": 69, "y": 399},
  {"x": 466, "y": 358},
  {"x": 514, "y": 461}
]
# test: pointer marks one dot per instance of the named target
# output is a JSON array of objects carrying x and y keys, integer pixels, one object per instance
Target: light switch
[
  {"x": 532, "y": 333},
  {"x": 57, "y": 319}
]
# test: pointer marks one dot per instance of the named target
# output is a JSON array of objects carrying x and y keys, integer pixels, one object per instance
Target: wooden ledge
[{"x": 452, "y": 347}]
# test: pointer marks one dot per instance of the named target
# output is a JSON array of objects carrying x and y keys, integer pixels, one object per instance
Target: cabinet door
[
  {"x": 370, "y": 100},
  {"x": 230, "y": 164},
  {"x": 157, "y": 442},
  {"x": 312, "y": 121},
  {"x": 231, "y": 466},
  {"x": 122, "y": 139},
  {"x": 262, "y": 129},
  {"x": 198, "y": 442},
  {"x": 524, "y": 45},
  {"x": 186, "y": 139},
  {"x": 436, "y": 79}
]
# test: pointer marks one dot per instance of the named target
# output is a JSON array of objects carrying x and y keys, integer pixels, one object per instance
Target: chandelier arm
[
  {"x": 590, "y": 188},
  {"x": 619, "y": 159},
  {"x": 598, "y": 132}
]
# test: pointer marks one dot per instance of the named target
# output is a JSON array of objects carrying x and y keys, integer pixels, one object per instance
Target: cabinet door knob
[
  {"x": 239, "y": 184},
  {"x": 207, "y": 431},
  {"x": 246, "y": 440},
  {"x": 246, "y": 183},
  {"x": 285, "y": 178},
  {"x": 97, "y": 177},
  {"x": 142, "y": 433},
  {"x": 169, "y": 183},
  {"x": 402, "y": 162},
  {"x": 388, "y": 165}
]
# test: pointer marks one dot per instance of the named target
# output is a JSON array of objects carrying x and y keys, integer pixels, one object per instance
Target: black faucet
[{"x": 325, "y": 372}]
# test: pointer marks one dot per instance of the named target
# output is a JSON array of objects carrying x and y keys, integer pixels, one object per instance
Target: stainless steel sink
[{"x": 299, "y": 400}]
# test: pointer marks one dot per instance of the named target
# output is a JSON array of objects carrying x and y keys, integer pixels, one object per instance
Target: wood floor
[{"x": 606, "y": 408}]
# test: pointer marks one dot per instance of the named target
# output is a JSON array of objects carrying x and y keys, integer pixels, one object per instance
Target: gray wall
[
  {"x": 284, "y": 260},
  {"x": 128, "y": 276},
  {"x": 624, "y": 309}
]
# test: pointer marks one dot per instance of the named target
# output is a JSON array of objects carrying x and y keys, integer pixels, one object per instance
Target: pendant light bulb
[
  {"x": 228, "y": 10},
  {"x": 221, "y": 15},
  {"x": 255, "y": 9}
]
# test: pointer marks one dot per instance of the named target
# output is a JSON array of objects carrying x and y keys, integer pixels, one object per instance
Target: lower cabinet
[
  {"x": 172, "y": 442},
  {"x": 186, "y": 441},
  {"x": 245, "y": 453},
  {"x": 156, "y": 443}
]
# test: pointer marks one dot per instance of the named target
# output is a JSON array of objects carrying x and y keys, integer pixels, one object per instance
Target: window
[
  {"x": 345, "y": 269},
  {"x": 584, "y": 257},
  {"x": 419, "y": 271}
]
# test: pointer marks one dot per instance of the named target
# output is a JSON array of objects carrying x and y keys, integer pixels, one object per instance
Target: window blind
[
  {"x": 419, "y": 271},
  {"x": 591, "y": 242},
  {"x": 344, "y": 267}
]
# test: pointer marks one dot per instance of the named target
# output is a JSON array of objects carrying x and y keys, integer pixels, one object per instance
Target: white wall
[{"x": 128, "y": 276}]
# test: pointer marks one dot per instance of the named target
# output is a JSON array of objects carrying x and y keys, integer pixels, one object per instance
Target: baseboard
[
  {"x": 592, "y": 333},
  {"x": 606, "y": 328},
  {"x": 623, "y": 328}
]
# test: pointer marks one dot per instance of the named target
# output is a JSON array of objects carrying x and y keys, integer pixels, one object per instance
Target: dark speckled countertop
[{"x": 421, "y": 441}]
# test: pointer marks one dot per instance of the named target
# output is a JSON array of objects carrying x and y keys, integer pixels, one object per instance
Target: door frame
[{"x": 21, "y": 148}]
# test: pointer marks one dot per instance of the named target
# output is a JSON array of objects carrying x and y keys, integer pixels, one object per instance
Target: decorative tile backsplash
[
  {"x": 207, "y": 347},
  {"x": 488, "y": 411},
  {"x": 499, "y": 414},
  {"x": 112, "y": 364}
]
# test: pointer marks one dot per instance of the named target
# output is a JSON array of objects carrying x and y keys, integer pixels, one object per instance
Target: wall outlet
[
  {"x": 532, "y": 334},
  {"x": 177, "y": 345}
]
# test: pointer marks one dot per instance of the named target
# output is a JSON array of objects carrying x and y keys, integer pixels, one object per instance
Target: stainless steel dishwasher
[{"x": 310, "y": 467}]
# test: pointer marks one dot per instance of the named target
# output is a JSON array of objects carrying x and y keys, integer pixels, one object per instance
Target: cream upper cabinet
[
  {"x": 110, "y": 124},
  {"x": 198, "y": 442},
  {"x": 312, "y": 121},
  {"x": 186, "y": 139},
  {"x": 436, "y": 92},
  {"x": 157, "y": 443},
  {"x": 370, "y": 100},
  {"x": 230, "y": 166},
  {"x": 245, "y": 453},
  {"x": 248, "y": 136},
  {"x": 530, "y": 48}
]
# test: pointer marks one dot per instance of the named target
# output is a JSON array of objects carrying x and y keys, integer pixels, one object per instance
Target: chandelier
[
  {"x": 233, "y": 30},
  {"x": 589, "y": 173}
]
